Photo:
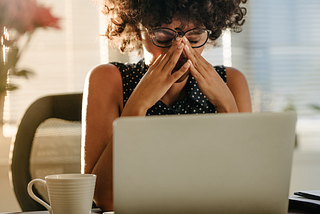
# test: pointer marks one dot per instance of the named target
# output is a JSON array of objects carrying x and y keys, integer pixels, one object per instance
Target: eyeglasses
[{"x": 164, "y": 37}]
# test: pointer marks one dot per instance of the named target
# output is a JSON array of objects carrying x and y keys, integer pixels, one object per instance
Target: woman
[{"x": 173, "y": 77}]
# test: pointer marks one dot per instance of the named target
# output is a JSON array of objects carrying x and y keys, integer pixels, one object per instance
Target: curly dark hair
[{"x": 125, "y": 16}]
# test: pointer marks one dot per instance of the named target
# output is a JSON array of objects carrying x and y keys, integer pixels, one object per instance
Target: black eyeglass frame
[{"x": 178, "y": 33}]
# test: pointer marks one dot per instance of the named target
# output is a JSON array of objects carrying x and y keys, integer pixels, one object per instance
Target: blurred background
[{"x": 278, "y": 51}]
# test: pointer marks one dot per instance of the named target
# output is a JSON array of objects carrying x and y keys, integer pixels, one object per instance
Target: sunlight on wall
[
  {"x": 70, "y": 72},
  {"x": 104, "y": 56},
  {"x": 227, "y": 51}
]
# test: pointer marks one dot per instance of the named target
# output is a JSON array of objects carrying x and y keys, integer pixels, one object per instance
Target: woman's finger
[
  {"x": 192, "y": 54},
  {"x": 183, "y": 70},
  {"x": 156, "y": 62},
  {"x": 171, "y": 58},
  {"x": 194, "y": 72},
  {"x": 198, "y": 62}
]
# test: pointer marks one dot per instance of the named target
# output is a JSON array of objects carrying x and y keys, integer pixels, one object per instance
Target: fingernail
[
  {"x": 186, "y": 65},
  {"x": 178, "y": 38},
  {"x": 180, "y": 46},
  {"x": 186, "y": 47}
]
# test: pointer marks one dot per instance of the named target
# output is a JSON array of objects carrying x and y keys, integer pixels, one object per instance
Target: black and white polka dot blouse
[{"x": 194, "y": 103}]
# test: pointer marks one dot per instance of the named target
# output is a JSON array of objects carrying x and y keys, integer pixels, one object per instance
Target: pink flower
[
  {"x": 25, "y": 15},
  {"x": 43, "y": 18}
]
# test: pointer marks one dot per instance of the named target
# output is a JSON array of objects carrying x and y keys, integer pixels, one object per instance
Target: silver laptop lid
[{"x": 212, "y": 163}]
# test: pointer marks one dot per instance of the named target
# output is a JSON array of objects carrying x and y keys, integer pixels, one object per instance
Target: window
[{"x": 279, "y": 52}]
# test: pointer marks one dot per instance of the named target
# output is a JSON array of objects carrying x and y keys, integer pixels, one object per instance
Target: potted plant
[{"x": 18, "y": 21}]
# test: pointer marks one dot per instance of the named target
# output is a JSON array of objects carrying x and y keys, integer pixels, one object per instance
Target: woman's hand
[
  {"x": 209, "y": 81},
  {"x": 156, "y": 82}
]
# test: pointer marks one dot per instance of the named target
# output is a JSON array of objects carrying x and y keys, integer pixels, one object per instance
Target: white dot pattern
[{"x": 194, "y": 103}]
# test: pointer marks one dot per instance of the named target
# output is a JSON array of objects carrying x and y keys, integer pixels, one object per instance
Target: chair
[{"x": 48, "y": 141}]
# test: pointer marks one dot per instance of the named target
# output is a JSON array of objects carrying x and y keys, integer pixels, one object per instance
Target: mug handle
[{"x": 34, "y": 197}]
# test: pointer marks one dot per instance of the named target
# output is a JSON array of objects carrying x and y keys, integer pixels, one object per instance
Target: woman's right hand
[{"x": 156, "y": 82}]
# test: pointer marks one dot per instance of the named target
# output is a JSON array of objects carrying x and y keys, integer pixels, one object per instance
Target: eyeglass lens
[{"x": 165, "y": 37}]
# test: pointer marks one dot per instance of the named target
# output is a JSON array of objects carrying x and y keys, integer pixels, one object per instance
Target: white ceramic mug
[{"x": 68, "y": 193}]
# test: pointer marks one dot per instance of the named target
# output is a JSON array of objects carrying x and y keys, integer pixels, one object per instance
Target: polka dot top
[{"x": 194, "y": 103}]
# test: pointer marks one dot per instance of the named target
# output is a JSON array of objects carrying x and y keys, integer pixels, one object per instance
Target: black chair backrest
[{"x": 66, "y": 107}]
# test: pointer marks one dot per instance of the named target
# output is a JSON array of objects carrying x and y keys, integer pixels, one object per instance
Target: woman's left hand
[{"x": 209, "y": 81}]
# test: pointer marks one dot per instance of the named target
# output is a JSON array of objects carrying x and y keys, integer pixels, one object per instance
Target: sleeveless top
[{"x": 195, "y": 101}]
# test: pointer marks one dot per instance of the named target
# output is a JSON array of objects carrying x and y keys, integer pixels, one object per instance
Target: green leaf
[
  {"x": 12, "y": 87},
  {"x": 314, "y": 106},
  {"x": 23, "y": 73}
]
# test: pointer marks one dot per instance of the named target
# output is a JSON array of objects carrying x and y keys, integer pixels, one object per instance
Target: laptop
[{"x": 207, "y": 163}]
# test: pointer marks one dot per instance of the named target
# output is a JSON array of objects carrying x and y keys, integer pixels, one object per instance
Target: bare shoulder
[
  {"x": 238, "y": 85},
  {"x": 234, "y": 74},
  {"x": 103, "y": 85},
  {"x": 104, "y": 74}
]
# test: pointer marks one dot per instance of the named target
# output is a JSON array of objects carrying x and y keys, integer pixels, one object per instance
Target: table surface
[{"x": 97, "y": 211}]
